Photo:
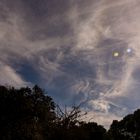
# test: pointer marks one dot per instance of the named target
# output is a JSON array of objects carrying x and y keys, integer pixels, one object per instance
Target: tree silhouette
[
  {"x": 25, "y": 113},
  {"x": 30, "y": 114},
  {"x": 126, "y": 129},
  {"x": 70, "y": 127}
]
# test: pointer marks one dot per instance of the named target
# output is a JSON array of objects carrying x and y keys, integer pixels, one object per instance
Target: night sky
[{"x": 80, "y": 51}]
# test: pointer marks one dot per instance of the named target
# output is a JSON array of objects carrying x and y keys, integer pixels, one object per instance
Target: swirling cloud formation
[{"x": 80, "y": 51}]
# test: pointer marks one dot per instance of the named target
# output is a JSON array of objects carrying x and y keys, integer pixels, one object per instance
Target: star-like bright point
[
  {"x": 129, "y": 50},
  {"x": 116, "y": 54}
]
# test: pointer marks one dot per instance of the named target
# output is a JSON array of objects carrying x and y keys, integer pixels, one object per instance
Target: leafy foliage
[
  {"x": 30, "y": 114},
  {"x": 25, "y": 113},
  {"x": 126, "y": 129}
]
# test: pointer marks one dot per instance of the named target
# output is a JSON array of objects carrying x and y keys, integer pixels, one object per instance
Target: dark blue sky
[{"x": 78, "y": 50}]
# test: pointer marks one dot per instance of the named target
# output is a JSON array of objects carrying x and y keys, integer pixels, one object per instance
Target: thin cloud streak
[{"x": 73, "y": 52}]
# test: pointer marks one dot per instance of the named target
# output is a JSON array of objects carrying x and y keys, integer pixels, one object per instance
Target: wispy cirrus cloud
[{"x": 68, "y": 47}]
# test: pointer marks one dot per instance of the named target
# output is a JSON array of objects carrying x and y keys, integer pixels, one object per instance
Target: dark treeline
[{"x": 30, "y": 114}]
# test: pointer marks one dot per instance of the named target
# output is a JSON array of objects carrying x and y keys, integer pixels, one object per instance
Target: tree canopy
[
  {"x": 126, "y": 129},
  {"x": 30, "y": 114}
]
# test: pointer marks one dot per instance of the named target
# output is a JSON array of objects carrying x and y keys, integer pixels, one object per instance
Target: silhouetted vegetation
[
  {"x": 126, "y": 129},
  {"x": 30, "y": 114}
]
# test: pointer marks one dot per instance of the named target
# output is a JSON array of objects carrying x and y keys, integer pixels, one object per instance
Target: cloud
[
  {"x": 102, "y": 118},
  {"x": 68, "y": 48},
  {"x": 9, "y": 76}
]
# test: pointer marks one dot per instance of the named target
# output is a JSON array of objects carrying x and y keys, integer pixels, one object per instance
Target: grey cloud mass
[{"x": 80, "y": 51}]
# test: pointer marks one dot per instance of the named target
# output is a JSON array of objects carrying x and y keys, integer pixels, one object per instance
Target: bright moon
[{"x": 115, "y": 54}]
